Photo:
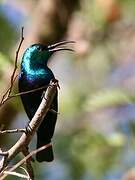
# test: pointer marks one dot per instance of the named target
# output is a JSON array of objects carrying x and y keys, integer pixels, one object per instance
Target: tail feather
[{"x": 46, "y": 154}]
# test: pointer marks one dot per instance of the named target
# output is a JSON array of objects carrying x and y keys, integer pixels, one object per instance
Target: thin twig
[
  {"x": 28, "y": 92},
  {"x": 25, "y": 171},
  {"x": 28, "y": 163},
  {"x": 4, "y": 158},
  {"x": 33, "y": 125},
  {"x": 13, "y": 131},
  {"x": 16, "y": 174},
  {"x": 22, "y": 93},
  {"x": 53, "y": 111},
  {"x": 26, "y": 158},
  {"x": 13, "y": 76},
  {"x": 16, "y": 59}
]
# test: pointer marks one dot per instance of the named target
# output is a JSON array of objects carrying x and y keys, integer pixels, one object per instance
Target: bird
[{"x": 34, "y": 74}]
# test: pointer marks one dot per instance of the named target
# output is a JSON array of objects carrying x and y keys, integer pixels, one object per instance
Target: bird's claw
[
  {"x": 28, "y": 129},
  {"x": 56, "y": 82}
]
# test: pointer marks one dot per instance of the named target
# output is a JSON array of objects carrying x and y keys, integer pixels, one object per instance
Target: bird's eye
[{"x": 39, "y": 48}]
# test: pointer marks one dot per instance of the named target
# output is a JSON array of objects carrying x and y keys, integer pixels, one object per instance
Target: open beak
[{"x": 59, "y": 46}]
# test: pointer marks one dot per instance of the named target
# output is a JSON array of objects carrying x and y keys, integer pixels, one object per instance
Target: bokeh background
[{"x": 95, "y": 133}]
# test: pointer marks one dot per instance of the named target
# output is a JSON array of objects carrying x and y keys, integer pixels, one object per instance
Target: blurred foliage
[
  {"x": 82, "y": 149},
  {"x": 108, "y": 98},
  {"x": 8, "y": 35},
  {"x": 96, "y": 127}
]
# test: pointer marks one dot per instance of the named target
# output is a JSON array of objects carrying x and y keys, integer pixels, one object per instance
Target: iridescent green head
[{"x": 38, "y": 54}]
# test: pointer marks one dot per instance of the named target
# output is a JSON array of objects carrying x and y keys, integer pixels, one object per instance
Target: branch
[
  {"x": 32, "y": 127},
  {"x": 25, "y": 159},
  {"x": 13, "y": 76},
  {"x": 22, "y": 93},
  {"x": 28, "y": 163},
  {"x": 12, "y": 131},
  {"x": 16, "y": 174}
]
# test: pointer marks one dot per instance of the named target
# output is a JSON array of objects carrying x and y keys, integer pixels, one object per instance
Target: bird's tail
[{"x": 46, "y": 154}]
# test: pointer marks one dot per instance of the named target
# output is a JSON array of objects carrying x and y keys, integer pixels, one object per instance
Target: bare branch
[
  {"x": 4, "y": 153},
  {"x": 16, "y": 174},
  {"x": 22, "y": 93},
  {"x": 28, "y": 163},
  {"x": 32, "y": 127},
  {"x": 26, "y": 158},
  {"x": 25, "y": 171},
  {"x": 13, "y": 76},
  {"x": 28, "y": 92},
  {"x": 13, "y": 131},
  {"x": 53, "y": 111}
]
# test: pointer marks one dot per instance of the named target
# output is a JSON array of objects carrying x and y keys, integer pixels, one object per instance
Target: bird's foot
[
  {"x": 28, "y": 129},
  {"x": 56, "y": 82}
]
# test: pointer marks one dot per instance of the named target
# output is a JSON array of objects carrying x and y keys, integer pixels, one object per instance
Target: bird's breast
[{"x": 35, "y": 79}]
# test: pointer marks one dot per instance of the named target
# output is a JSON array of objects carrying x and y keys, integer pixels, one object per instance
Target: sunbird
[{"x": 35, "y": 73}]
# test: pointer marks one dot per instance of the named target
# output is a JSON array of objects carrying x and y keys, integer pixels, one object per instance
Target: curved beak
[{"x": 59, "y": 46}]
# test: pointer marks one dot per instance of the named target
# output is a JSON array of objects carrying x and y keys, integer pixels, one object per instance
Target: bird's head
[{"x": 39, "y": 53}]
